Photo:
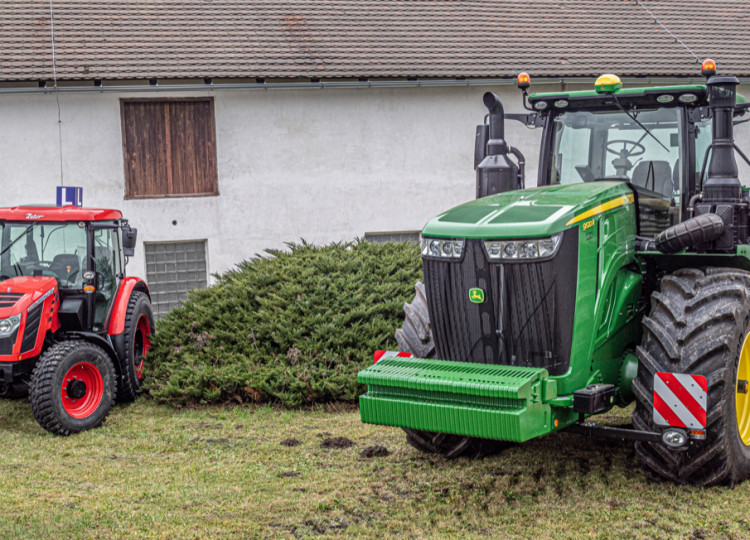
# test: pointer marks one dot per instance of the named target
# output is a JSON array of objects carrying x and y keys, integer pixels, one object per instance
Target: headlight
[
  {"x": 8, "y": 326},
  {"x": 440, "y": 248},
  {"x": 536, "y": 248}
]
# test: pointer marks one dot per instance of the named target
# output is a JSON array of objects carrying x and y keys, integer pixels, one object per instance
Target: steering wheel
[{"x": 623, "y": 152}]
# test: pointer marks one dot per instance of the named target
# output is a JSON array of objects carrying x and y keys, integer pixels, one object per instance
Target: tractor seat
[
  {"x": 655, "y": 176},
  {"x": 65, "y": 266}
]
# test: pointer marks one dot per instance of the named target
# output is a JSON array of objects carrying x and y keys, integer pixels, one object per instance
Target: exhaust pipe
[
  {"x": 723, "y": 183},
  {"x": 722, "y": 191},
  {"x": 495, "y": 173}
]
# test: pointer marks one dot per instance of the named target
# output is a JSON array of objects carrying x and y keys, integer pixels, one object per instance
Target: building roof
[{"x": 129, "y": 39}]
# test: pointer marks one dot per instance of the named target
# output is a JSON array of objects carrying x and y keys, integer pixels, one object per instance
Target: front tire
[
  {"x": 139, "y": 326},
  {"x": 699, "y": 324},
  {"x": 72, "y": 388},
  {"x": 415, "y": 336}
]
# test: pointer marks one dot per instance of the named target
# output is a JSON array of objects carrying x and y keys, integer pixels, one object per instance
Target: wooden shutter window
[{"x": 169, "y": 148}]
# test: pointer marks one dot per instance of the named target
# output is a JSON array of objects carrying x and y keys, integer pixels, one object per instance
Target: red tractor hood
[{"x": 18, "y": 294}]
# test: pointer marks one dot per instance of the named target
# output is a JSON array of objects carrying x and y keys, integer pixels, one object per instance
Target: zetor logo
[
  {"x": 476, "y": 295},
  {"x": 34, "y": 216},
  {"x": 588, "y": 224}
]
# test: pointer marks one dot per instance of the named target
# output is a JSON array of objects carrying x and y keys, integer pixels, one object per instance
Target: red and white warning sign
[
  {"x": 379, "y": 355},
  {"x": 680, "y": 400}
]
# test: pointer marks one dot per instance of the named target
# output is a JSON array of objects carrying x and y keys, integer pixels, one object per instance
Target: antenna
[
  {"x": 678, "y": 40},
  {"x": 57, "y": 95}
]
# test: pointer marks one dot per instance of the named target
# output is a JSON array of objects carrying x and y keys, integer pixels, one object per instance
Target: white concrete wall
[{"x": 322, "y": 165}]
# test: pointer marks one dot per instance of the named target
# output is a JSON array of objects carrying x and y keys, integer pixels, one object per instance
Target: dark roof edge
[{"x": 10, "y": 87}]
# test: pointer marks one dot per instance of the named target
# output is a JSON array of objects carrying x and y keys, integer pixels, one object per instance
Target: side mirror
[{"x": 129, "y": 236}]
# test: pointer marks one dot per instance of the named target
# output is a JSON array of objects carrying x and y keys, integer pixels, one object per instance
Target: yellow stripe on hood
[{"x": 622, "y": 200}]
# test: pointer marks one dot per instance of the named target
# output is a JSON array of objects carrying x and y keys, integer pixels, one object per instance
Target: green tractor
[{"x": 623, "y": 276}]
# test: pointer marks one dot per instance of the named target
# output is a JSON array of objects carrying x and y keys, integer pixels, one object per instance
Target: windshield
[
  {"x": 609, "y": 145},
  {"x": 46, "y": 249},
  {"x": 591, "y": 146}
]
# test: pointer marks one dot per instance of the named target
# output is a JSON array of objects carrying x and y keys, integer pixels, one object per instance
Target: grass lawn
[{"x": 154, "y": 471}]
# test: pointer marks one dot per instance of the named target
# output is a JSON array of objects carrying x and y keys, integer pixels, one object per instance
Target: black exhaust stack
[
  {"x": 495, "y": 173},
  {"x": 722, "y": 190},
  {"x": 723, "y": 183}
]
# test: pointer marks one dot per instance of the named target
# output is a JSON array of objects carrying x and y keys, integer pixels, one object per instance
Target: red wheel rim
[
  {"x": 141, "y": 344},
  {"x": 82, "y": 390}
]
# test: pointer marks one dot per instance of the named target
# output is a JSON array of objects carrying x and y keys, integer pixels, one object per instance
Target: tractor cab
[
  {"x": 74, "y": 329},
  {"x": 654, "y": 139},
  {"x": 81, "y": 249}
]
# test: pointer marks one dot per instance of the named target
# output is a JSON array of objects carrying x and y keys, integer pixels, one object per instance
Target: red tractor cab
[{"x": 74, "y": 330}]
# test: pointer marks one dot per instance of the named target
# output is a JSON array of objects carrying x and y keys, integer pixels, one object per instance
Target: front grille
[
  {"x": 526, "y": 318},
  {"x": 32, "y": 328},
  {"x": 9, "y": 299}
]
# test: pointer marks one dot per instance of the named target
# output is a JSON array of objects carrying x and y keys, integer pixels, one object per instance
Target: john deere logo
[{"x": 476, "y": 295}]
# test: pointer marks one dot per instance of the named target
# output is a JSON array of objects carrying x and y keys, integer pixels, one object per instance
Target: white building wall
[{"x": 323, "y": 165}]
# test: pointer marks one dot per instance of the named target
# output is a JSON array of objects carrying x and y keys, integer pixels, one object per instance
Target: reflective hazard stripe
[
  {"x": 388, "y": 354},
  {"x": 680, "y": 400}
]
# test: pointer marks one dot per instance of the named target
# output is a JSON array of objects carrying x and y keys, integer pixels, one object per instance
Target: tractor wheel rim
[
  {"x": 141, "y": 344},
  {"x": 742, "y": 393},
  {"x": 82, "y": 390}
]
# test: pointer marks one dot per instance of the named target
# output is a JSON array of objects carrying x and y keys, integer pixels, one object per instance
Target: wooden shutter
[{"x": 169, "y": 148}]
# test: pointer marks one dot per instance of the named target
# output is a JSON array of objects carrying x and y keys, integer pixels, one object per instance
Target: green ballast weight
[{"x": 477, "y": 400}]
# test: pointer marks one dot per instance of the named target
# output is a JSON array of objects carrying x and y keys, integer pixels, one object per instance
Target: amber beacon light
[
  {"x": 708, "y": 68},
  {"x": 523, "y": 81}
]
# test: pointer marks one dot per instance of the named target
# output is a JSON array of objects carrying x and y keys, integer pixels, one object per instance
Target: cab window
[
  {"x": 107, "y": 264},
  {"x": 49, "y": 249}
]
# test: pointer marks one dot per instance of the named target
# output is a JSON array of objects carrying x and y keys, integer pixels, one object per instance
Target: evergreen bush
[{"x": 292, "y": 327}]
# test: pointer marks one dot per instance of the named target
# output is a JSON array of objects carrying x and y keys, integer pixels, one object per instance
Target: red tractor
[{"x": 74, "y": 330}]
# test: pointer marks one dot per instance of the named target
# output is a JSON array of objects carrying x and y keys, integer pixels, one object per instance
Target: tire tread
[{"x": 42, "y": 382}]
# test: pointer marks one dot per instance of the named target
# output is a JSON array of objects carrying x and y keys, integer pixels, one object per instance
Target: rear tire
[
  {"x": 72, "y": 388},
  {"x": 415, "y": 336},
  {"x": 698, "y": 324},
  {"x": 139, "y": 327}
]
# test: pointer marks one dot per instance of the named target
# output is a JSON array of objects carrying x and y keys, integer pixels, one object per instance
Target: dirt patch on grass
[
  {"x": 207, "y": 425},
  {"x": 290, "y": 442},
  {"x": 374, "y": 451},
  {"x": 323, "y": 526},
  {"x": 217, "y": 441},
  {"x": 336, "y": 442}
]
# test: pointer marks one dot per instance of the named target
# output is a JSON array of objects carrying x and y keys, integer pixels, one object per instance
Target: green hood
[{"x": 528, "y": 213}]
